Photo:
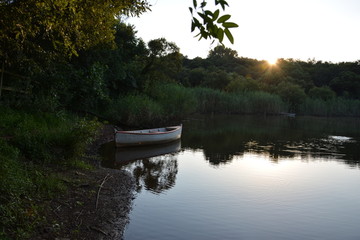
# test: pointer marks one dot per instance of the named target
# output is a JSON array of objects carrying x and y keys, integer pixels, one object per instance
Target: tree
[
  {"x": 223, "y": 52},
  {"x": 40, "y": 37},
  {"x": 217, "y": 79},
  {"x": 291, "y": 93},
  {"x": 293, "y": 68},
  {"x": 59, "y": 27},
  {"x": 124, "y": 60},
  {"x": 163, "y": 63},
  {"x": 324, "y": 93},
  {"x": 223, "y": 58},
  {"x": 242, "y": 84},
  {"x": 197, "y": 76},
  {"x": 346, "y": 84}
]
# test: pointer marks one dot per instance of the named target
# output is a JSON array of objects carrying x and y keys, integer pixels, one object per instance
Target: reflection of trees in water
[
  {"x": 157, "y": 169},
  {"x": 307, "y": 138},
  {"x": 347, "y": 152},
  {"x": 155, "y": 174}
]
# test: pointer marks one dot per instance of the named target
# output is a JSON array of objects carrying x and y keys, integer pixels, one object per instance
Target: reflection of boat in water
[
  {"x": 126, "y": 155},
  {"x": 288, "y": 114},
  {"x": 147, "y": 136}
]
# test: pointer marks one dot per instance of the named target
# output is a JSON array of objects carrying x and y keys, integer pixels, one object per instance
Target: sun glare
[{"x": 272, "y": 61}]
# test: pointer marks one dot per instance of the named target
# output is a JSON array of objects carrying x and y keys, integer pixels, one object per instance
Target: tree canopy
[{"x": 60, "y": 27}]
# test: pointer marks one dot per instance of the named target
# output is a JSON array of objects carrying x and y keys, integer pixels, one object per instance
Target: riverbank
[{"x": 96, "y": 204}]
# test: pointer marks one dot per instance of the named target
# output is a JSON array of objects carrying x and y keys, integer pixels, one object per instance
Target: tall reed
[
  {"x": 334, "y": 107},
  {"x": 214, "y": 101}
]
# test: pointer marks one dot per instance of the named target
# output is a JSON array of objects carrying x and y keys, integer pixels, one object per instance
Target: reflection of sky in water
[
  {"x": 251, "y": 178},
  {"x": 252, "y": 197},
  {"x": 340, "y": 139}
]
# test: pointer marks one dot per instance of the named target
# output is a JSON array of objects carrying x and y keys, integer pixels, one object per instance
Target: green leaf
[
  {"x": 223, "y": 4},
  {"x": 223, "y": 18},
  {"x": 203, "y": 16},
  {"x": 193, "y": 25},
  {"x": 209, "y": 13},
  {"x": 203, "y": 4},
  {"x": 206, "y": 19},
  {"x": 216, "y": 14},
  {"x": 220, "y": 35},
  {"x": 196, "y": 21},
  {"x": 191, "y": 10},
  {"x": 195, "y": 3},
  {"x": 229, "y": 35},
  {"x": 230, "y": 25},
  {"x": 213, "y": 30}
]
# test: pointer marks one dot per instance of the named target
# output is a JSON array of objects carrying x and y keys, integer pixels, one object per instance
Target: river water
[{"x": 246, "y": 177}]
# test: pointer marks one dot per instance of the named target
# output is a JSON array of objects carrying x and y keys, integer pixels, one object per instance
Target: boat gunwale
[{"x": 137, "y": 132}]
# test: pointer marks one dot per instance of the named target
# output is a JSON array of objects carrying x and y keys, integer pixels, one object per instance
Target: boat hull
[{"x": 147, "y": 136}]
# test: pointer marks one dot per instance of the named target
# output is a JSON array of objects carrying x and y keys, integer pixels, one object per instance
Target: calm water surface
[{"x": 244, "y": 177}]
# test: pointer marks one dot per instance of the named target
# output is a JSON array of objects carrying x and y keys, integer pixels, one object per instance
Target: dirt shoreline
[{"x": 96, "y": 204}]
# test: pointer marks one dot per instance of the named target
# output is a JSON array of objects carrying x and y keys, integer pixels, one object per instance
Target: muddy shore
[{"x": 96, "y": 204}]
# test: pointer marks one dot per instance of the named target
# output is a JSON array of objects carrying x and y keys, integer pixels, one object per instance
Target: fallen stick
[
  {"x": 98, "y": 194},
  {"x": 98, "y": 230}
]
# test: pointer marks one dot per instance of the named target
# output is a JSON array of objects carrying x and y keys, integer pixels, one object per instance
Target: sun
[{"x": 272, "y": 61}]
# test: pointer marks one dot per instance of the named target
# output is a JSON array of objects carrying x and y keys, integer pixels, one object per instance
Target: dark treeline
[
  {"x": 137, "y": 83},
  {"x": 224, "y": 70}
]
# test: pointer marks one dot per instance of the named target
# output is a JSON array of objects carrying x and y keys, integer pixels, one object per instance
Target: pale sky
[{"x": 327, "y": 30}]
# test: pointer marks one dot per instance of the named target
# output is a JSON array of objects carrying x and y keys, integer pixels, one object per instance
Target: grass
[{"x": 32, "y": 146}]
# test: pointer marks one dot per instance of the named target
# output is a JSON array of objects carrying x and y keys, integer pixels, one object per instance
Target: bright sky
[{"x": 326, "y": 30}]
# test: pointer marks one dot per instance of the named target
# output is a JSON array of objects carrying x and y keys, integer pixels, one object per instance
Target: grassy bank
[{"x": 33, "y": 146}]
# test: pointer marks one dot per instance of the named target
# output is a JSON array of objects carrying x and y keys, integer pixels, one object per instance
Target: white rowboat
[{"x": 147, "y": 136}]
